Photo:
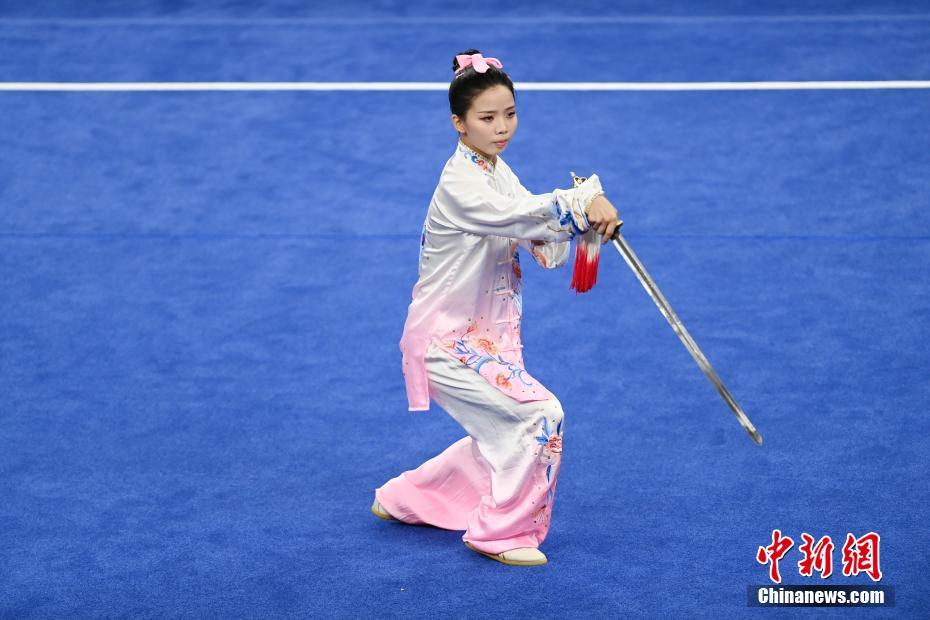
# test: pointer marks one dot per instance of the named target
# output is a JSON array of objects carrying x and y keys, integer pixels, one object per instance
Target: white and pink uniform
[
  {"x": 461, "y": 347},
  {"x": 468, "y": 296}
]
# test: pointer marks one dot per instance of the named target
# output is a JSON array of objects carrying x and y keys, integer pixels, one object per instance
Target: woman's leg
[
  {"x": 443, "y": 491},
  {"x": 517, "y": 445},
  {"x": 498, "y": 483}
]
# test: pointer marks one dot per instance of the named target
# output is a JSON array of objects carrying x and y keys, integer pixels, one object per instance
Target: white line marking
[
  {"x": 458, "y": 19},
  {"x": 442, "y": 86},
  {"x": 341, "y": 236}
]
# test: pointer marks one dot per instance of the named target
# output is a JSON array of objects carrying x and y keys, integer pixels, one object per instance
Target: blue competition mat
[{"x": 202, "y": 294}]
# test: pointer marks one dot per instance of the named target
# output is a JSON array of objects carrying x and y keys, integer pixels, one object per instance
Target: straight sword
[{"x": 631, "y": 259}]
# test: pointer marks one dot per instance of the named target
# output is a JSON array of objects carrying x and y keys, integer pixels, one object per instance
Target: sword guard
[{"x": 577, "y": 180}]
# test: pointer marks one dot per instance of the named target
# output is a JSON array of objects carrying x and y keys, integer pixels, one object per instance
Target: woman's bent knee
[
  {"x": 548, "y": 419},
  {"x": 554, "y": 410}
]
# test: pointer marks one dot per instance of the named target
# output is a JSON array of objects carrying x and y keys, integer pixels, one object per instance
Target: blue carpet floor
[{"x": 201, "y": 296}]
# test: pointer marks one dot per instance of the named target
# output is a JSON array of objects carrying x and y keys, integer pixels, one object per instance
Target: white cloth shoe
[
  {"x": 379, "y": 510},
  {"x": 521, "y": 556}
]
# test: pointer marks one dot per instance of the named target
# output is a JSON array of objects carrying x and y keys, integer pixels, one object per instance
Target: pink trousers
[{"x": 498, "y": 482}]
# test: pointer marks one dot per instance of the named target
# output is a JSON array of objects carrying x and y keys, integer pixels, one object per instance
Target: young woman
[{"x": 461, "y": 342}]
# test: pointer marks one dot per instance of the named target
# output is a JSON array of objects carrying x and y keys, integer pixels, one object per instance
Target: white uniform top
[{"x": 468, "y": 295}]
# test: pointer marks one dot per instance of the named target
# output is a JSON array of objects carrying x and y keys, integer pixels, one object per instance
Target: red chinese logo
[
  {"x": 860, "y": 555},
  {"x": 773, "y": 553},
  {"x": 817, "y": 557}
]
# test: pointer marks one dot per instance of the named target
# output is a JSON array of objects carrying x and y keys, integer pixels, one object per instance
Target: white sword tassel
[{"x": 630, "y": 257}]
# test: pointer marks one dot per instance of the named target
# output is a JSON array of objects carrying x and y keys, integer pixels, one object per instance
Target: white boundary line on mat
[
  {"x": 442, "y": 86},
  {"x": 453, "y": 19}
]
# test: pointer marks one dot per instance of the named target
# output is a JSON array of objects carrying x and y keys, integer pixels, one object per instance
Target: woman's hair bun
[
  {"x": 465, "y": 86},
  {"x": 455, "y": 62}
]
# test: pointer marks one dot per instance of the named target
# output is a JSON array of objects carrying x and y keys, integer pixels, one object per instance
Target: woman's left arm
[{"x": 548, "y": 254}]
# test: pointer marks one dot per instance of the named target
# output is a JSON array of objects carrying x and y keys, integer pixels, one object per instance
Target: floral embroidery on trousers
[
  {"x": 550, "y": 454},
  {"x": 475, "y": 351}
]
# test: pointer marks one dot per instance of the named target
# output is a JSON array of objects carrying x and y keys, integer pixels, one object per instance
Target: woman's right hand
[{"x": 602, "y": 216}]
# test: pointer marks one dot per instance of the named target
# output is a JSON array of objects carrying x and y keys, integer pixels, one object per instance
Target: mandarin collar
[{"x": 486, "y": 165}]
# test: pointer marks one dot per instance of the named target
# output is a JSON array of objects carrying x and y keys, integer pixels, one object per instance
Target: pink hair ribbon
[{"x": 479, "y": 62}]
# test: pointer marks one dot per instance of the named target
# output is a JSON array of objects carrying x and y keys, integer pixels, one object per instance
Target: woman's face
[{"x": 490, "y": 122}]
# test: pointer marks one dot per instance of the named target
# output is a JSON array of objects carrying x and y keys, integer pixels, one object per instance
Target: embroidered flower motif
[
  {"x": 476, "y": 158},
  {"x": 476, "y": 351},
  {"x": 552, "y": 445},
  {"x": 486, "y": 345},
  {"x": 550, "y": 453},
  {"x": 562, "y": 215},
  {"x": 502, "y": 380},
  {"x": 571, "y": 219}
]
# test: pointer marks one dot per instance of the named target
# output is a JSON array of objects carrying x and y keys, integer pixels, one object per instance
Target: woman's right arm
[{"x": 474, "y": 206}]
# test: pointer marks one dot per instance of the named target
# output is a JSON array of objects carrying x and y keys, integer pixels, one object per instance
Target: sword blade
[{"x": 633, "y": 261}]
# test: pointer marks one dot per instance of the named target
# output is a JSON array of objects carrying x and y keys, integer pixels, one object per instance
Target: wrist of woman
[
  {"x": 585, "y": 191},
  {"x": 587, "y": 207}
]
